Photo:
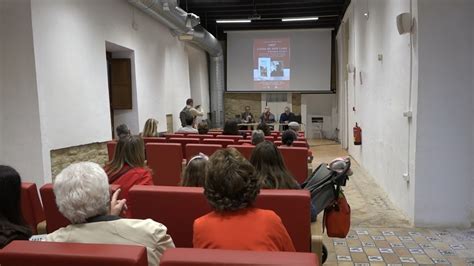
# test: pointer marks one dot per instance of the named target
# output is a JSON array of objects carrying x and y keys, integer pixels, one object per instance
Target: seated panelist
[
  {"x": 247, "y": 116},
  {"x": 267, "y": 117}
]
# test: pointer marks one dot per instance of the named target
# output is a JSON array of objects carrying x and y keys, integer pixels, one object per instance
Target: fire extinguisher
[{"x": 357, "y": 135}]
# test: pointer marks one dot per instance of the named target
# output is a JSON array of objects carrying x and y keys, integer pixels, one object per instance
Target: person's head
[
  {"x": 288, "y": 137},
  {"x": 151, "y": 128},
  {"x": 287, "y": 110},
  {"x": 203, "y": 127},
  {"x": 190, "y": 102},
  {"x": 195, "y": 172},
  {"x": 267, "y": 110},
  {"x": 10, "y": 196},
  {"x": 257, "y": 137},
  {"x": 188, "y": 119},
  {"x": 247, "y": 109},
  {"x": 122, "y": 131},
  {"x": 129, "y": 150},
  {"x": 265, "y": 128},
  {"x": 294, "y": 126},
  {"x": 271, "y": 169},
  {"x": 82, "y": 192},
  {"x": 231, "y": 127},
  {"x": 231, "y": 183}
]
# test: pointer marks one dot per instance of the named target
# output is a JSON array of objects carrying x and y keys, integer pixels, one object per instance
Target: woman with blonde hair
[
  {"x": 128, "y": 167},
  {"x": 151, "y": 128}
]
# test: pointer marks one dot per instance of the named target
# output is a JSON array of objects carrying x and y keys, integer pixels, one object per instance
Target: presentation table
[{"x": 276, "y": 126}]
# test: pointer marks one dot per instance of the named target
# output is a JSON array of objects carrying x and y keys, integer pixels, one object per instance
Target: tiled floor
[{"x": 380, "y": 233}]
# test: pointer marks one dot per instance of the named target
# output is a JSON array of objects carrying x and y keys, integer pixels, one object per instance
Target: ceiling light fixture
[
  {"x": 299, "y": 19},
  {"x": 233, "y": 21}
]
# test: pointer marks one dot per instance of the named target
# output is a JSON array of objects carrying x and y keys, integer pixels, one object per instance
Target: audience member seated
[
  {"x": 287, "y": 139},
  {"x": 12, "y": 224},
  {"x": 267, "y": 116},
  {"x": 188, "y": 128},
  {"x": 257, "y": 137},
  {"x": 151, "y": 128},
  {"x": 271, "y": 170},
  {"x": 128, "y": 167},
  {"x": 294, "y": 126},
  {"x": 231, "y": 187},
  {"x": 82, "y": 196},
  {"x": 122, "y": 131},
  {"x": 194, "y": 173},
  {"x": 265, "y": 128},
  {"x": 203, "y": 128},
  {"x": 231, "y": 128}
]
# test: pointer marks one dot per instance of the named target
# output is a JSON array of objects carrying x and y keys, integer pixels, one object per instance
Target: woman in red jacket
[{"x": 128, "y": 168}]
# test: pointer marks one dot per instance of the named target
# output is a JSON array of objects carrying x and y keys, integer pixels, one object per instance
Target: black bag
[
  {"x": 324, "y": 185},
  {"x": 183, "y": 114}
]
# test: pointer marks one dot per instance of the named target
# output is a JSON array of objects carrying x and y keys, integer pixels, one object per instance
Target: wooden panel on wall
[
  {"x": 121, "y": 83},
  {"x": 234, "y": 104}
]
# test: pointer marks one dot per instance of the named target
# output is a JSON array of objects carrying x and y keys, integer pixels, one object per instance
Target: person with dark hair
[
  {"x": 188, "y": 128},
  {"x": 122, "y": 131},
  {"x": 270, "y": 168},
  {"x": 203, "y": 127},
  {"x": 265, "y": 128},
  {"x": 231, "y": 127},
  {"x": 128, "y": 167},
  {"x": 288, "y": 137},
  {"x": 189, "y": 109},
  {"x": 231, "y": 187},
  {"x": 12, "y": 224},
  {"x": 195, "y": 172},
  {"x": 247, "y": 116}
]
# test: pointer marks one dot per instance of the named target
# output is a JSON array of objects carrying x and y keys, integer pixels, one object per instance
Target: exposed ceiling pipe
[{"x": 186, "y": 26}]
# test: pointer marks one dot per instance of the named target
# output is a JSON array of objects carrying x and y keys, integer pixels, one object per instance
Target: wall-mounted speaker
[{"x": 404, "y": 23}]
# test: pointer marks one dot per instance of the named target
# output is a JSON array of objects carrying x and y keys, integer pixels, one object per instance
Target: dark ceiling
[{"x": 330, "y": 13}]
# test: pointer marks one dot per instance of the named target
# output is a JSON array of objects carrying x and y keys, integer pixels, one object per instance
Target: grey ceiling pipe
[{"x": 186, "y": 26}]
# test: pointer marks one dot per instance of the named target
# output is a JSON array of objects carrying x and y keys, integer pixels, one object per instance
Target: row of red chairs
[
  {"x": 166, "y": 159},
  {"x": 59, "y": 254},
  {"x": 202, "y": 138}
]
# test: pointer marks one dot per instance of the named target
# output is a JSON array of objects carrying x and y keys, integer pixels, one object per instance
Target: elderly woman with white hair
[{"x": 82, "y": 196}]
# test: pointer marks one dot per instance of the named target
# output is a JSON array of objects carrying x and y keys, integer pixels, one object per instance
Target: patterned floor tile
[
  {"x": 344, "y": 258},
  {"x": 391, "y": 258},
  {"x": 446, "y": 252},
  {"x": 340, "y": 243},
  {"x": 427, "y": 246},
  {"x": 422, "y": 259},
  {"x": 356, "y": 250},
  {"x": 385, "y": 250},
  {"x": 440, "y": 261},
  {"x": 359, "y": 258},
  {"x": 378, "y": 238},
  {"x": 457, "y": 247},
  {"x": 372, "y": 251},
  {"x": 397, "y": 245},
  {"x": 416, "y": 251},
  {"x": 388, "y": 233},
  {"x": 362, "y": 232},
  {"x": 368, "y": 244},
  {"x": 361, "y": 264},
  {"x": 414, "y": 234},
  {"x": 407, "y": 260},
  {"x": 405, "y": 238},
  {"x": 375, "y": 258},
  {"x": 433, "y": 238}
]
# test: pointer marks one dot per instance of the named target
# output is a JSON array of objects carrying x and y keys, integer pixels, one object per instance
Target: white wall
[
  {"x": 380, "y": 93},
  {"x": 445, "y": 147},
  {"x": 19, "y": 116},
  {"x": 320, "y": 105},
  {"x": 199, "y": 78},
  {"x": 69, "y": 45}
]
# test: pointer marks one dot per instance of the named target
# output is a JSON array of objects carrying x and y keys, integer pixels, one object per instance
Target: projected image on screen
[{"x": 271, "y": 63}]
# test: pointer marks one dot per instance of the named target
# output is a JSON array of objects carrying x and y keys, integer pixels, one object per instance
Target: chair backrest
[
  {"x": 277, "y": 142},
  {"x": 299, "y": 143},
  {"x": 214, "y": 133},
  {"x": 223, "y": 142},
  {"x": 242, "y": 141},
  {"x": 275, "y": 133},
  {"x": 31, "y": 207},
  {"x": 54, "y": 219},
  {"x": 59, "y": 254},
  {"x": 296, "y": 160},
  {"x": 194, "y": 149},
  {"x": 200, "y": 136},
  {"x": 270, "y": 138},
  {"x": 245, "y": 150},
  {"x": 203, "y": 257},
  {"x": 111, "y": 149},
  {"x": 183, "y": 142},
  {"x": 173, "y": 135},
  {"x": 147, "y": 140},
  {"x": 178, "y": 207},
  {"x": 233, "y": 137},
  {"x": 166, "y": 162},
  {"x": 301, "y": 139}
]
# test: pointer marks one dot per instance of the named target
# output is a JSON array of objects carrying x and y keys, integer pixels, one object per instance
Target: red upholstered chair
[
  {"x": 178, "y": 207},
  {"x": 166, "y": 162},
  {"x": 153, "y": 140},
  {"x": 173, "y": 135},
  {"x": 275, "y": 133},
  {"x": 301, "y": 139},
  {"x": 59, "y": 254},
  {"x": 214, "y": 133},
  {"x": 242, "y": 141},
  {"x": 194, "y": 149},
  {"x": 296, "y": 160},
  {"x": 270, "y": 138},
  {"x": 278, "y": 138},
  {"x": 183, "y": 142},
  {"x": 111, "y": 149},
  {"x": 223, "y": 142},
  {"x": 245, "y": 150},
  {"x": 233, "y": 137},
  {"x": 31, "y": 207},
  {"x": 203, "y": 257},
  {"x": 54, "y": 219},
  {"x": 299, "y": 143},
  {"x": 277, "y": 142},
  {"x": 200, "y": 136},
  {"x": 301, "y": 133}
]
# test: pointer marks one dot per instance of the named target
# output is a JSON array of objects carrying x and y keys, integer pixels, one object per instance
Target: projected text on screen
[{"x": 271, "y": 60}]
